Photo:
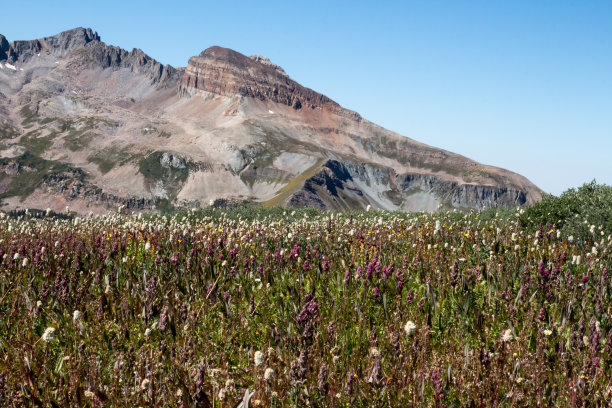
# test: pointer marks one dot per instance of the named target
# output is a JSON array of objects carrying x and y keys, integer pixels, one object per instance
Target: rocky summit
[{"x": 92, "y": 126}]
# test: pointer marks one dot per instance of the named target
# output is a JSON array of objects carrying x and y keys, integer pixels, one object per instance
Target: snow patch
[
  {"x": 11, "y": 66},
  {"x": 271, "y": 112}
]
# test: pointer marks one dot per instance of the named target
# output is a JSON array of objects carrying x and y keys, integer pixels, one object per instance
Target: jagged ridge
[{"x": 95, "y": 52}]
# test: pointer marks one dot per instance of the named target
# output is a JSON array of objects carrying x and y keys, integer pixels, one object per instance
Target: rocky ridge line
[{"x": 87, "y": 43}]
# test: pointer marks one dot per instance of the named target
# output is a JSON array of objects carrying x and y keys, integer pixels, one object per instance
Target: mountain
[{"x": 92, "y": 126}]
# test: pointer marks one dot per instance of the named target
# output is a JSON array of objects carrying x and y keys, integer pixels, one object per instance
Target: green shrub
[{"x": 574, "y": 212}]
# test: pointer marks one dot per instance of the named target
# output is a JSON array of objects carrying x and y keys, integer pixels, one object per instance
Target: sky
[{"x": 524, "y": 85}]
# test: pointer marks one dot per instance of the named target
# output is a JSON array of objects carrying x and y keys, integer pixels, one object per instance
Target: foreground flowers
[
  {"x": 48, "y": 335},
  {"x": 258, "y": 359},
  {"x": 410, "y": 328},
  {"x": 299, "y": 308},
  {"x": 268, "y": 374}
]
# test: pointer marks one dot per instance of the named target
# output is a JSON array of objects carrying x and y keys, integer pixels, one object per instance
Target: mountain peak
[
  {"x": 239, "y": 60},
  {"x": 226, "y": 56},
  {"x": 71, "y": 39},
  {"x": 224, "y": 71}
]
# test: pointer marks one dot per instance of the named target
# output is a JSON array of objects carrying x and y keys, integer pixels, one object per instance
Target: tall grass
[{"x": 302, "y": 309}]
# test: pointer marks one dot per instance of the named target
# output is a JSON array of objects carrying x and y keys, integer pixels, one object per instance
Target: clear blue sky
[{"x": 525, "y": 85}]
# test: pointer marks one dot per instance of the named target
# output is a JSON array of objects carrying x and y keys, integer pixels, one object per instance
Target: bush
[{"x": 574, "y": 212}]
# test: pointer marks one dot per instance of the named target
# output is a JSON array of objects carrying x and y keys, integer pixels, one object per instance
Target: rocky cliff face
[
  {"x": 93, "y": 126},
  {"x": 4, "y": 48},
  {"x": 345, "y": 184}
]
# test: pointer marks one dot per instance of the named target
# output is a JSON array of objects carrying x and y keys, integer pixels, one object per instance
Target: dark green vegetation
[
  {"x": 30, "y": 172},
  {"x": 304, "y": 308}
]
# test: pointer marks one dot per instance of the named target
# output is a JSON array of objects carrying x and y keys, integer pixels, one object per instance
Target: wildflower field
[{"x": 222, "y": 307}]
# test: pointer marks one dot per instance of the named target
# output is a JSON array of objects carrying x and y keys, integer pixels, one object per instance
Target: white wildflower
[
  {"x": 89, "y": 394},
  {"x": 268, "y": 374},
  {"x": 76, "y": 319},
  {"x": 259, "y": 358},
  {"x": 410, "y": 328},
  {"x": 374, "y": 352},
  {"x": 49, "y": 334},
  {"x": 147, "y": 246},
  {"x": 25, "y": 262},
  {"x": 547, "y": 332},
  {"x": 507, "y": 336},
  {"x": 147, "y": 332}
]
